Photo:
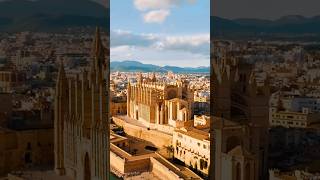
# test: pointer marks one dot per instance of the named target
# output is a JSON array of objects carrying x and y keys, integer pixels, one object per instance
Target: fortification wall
[
  {"x": 118, "y": 163},
  {"x": 161, "y": 170},
  {"x": 159, "y": 139}
]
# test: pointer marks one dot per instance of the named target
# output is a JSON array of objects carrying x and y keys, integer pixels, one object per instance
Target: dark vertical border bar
[
  {"x": 212, "y": 144},
  {"x": 108, "y": 92}
]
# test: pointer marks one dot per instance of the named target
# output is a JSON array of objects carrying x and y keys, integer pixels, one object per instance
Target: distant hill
[
  {"x": 51, "y": 15},
  {"x": 135, "y": 66},
  {"x": 293, "y": 25}
]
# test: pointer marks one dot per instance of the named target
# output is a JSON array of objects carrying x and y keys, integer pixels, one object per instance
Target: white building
[
  {"x": 300, "y": 119},
  {"x": 192, "y": 146}
]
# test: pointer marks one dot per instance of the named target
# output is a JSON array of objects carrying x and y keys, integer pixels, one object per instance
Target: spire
[
  {"x": 153, "y": 77},
  {"x": 98, "y": 50},
  {"x": 140, "y": 78},
  {"x": 61, "y": 73},
  {"x": 97, "y": 70}
]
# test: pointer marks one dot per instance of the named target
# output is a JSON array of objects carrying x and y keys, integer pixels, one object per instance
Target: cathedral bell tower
[{"x": 60, "y": 110}]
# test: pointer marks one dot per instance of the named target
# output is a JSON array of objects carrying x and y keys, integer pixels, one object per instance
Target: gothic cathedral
[
  {"x": 239, "y": 125},
  {"x": 82, "y": 120}
]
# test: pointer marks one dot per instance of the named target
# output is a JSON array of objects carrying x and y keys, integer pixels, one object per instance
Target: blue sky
[{"x": 161, "y": 32}]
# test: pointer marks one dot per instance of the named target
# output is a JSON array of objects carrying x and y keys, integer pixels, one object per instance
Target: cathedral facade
[
  {"x": 154, "y": 102},
  {"x": 81, "y": 122},
  {"x": 239, "y": 120}
]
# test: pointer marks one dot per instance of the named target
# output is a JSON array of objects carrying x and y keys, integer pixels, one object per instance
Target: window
[
  {"x": 205, "y": 166},
  {"x": 201, "y": 164}
]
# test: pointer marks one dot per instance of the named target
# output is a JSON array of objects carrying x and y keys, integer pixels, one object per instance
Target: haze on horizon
[{"x": 162, "y": 65}]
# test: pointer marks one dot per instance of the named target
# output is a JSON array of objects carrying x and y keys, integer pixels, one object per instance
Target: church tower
[
  {"x": 239, "y": 120},
  {"x": 100, "y": 118},
  {"x": 61, "y": 100},
  {"x": 82, "y": 119}
]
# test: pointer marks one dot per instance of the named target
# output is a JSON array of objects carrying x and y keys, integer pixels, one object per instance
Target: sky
[
  {"x": 264, "y": 9},
  {"x": 161, "y": 32}
]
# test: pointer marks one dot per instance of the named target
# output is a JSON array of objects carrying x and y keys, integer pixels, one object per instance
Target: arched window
[
  {"x": 205, "y": 165},
  {"x": 201, "y": 164}
]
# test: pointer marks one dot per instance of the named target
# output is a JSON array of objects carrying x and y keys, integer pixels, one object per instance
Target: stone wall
[
  {"x": 117, "y": 162},
  {"x": 162, "y": 171},
  {"x": 140, "y": 165},
  {"x": 159, "y": 139}
]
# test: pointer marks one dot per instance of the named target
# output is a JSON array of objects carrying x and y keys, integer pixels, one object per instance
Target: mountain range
[
  {"x": 135, "y": 66},
  {"x": 51, "y": 15},
  {"x": 287, "y": 26}
]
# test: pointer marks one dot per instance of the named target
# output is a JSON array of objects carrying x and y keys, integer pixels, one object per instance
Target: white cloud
[
  {"x": 144, "y": 5},
  {"x": 156, "y": 11},
  {"x": 122, "y": 52},
  {"x": 121, "y": 38},
  {"x": 192, "y": 40},
  {"x": 197, "y": 44},
  {"x": 193, "y": 43},
  {"x": 156, "y": 16}
]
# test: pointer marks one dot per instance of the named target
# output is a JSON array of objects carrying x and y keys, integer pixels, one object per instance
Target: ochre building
[{"x": 154, "y": 102}]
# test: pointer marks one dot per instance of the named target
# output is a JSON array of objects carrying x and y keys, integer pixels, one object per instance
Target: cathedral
[
  {"x": 81, "y": 122},
  {"x": 239, "y": 125},
  {"x": 153, "y": 102}
]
